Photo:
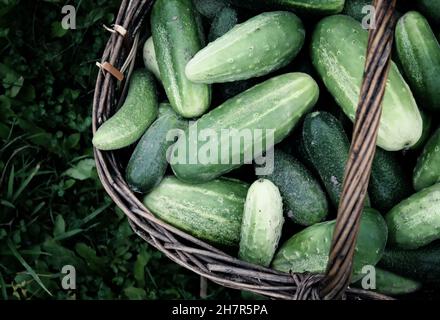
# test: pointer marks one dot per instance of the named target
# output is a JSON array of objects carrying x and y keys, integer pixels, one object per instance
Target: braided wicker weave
[{"x": 205, "y": 260}]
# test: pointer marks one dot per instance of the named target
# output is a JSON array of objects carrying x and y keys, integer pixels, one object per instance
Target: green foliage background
[{"x": 53, "y": 210}]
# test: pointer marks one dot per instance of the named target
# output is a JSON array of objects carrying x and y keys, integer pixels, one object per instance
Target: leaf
[
  {"x": 95, "y": 263},
  {"x": 139, "y": 267},
  {"x": 57, "y": 30},
  {"x": 133, "y": 293},
  {"x": 60, "y": 256},
  {"x": 83, "y": 170},
  {"x": 26, "y": 266},
  {"x": 59, "y": 226}
]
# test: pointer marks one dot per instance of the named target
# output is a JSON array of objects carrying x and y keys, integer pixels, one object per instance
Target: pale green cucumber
[
  {"x": 165, "y": 108},
  {"x": 262, "y": 223},
  {"x": 268, "y": 110},
  {"x": 254, "y": 48},
  {"x": 415, "y": 222},
  {"x": 338, "y": 53},
  {"x": 419, "y": 53},
  {"x": 149, "y": 56},
  {"x": 308, "y": 250},
  {"x": 176, "y": 29},
  {"x": 211, "y": 211},
  {"x": 427, "y": 170},
  {"x": 133, "y": 118}
]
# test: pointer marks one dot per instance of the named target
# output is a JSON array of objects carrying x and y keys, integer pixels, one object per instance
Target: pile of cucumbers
[{"x": 292, "y": 68}]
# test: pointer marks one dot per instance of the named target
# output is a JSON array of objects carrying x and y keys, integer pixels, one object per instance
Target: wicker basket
[{"x": 209, "y": 262}]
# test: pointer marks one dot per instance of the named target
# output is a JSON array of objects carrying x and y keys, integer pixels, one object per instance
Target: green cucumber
[
  {"x": 392, "y": 284},
  {"x": 389, "y": 183},
  {"x": 427, "y": 170},
  {"x": 148, "y": 163},
  {"x": 210, "y": 8},
  {"x": 305, "y": 201},
  {"x": 314, "y": 7},
  {"x": 268, "y": 110},
  {"x": 262, "y": 223},
  {"x": 133, "y": 118},
  {"x": 427, "y": 126},
  {"x": 254, "y": 48},
  {"x": 224, "y": 21},
  {"x": 149, "y": 56},
  {"x": 353, "y": 8},
  {"x": 419, "y": 52},
  {"x": 212, "y": 211},
  {"x": 176, "y": 29},
  {"x": 415, "y": 222},
  {"x": 421, "y": 265},
  {"x": 308, "y": 250},
  {"x": 165, "y": 108},
  {"x": 431, "y": 8},
  {"x": 327, "y": 146},
  {"x": 338, "y": 53}
]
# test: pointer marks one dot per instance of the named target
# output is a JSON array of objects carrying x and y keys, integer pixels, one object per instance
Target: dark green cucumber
[
  {"x": 430, "y": 8},
  {"x": 421, "y": 265},
  {"x": 212, "y": 211},
  {"x": 176, "y": 29},
  {"x": 389, "y": 182},
  {"x": 338, "y": 53},
  {"x": 268, "y": 110},
  {"x": 327, "y": 146},
  {"x": 148, "y": 163},
  {"x": 427, "y": 126},
  {"x": 262, "y": 223},
  {"x": 210, "y": 8},
  {"x": 415, "y": 222},
  {"x": 419, "y": 52},
  {"x": 224, "y": 21},
  {"x": 246, "y": 52},
  {"x": 304, "y": 200},
  {"x": 308, "y": 250},
  {"x": 315, "y": 7},
  {"x": 353, "y": 8},
  {"x": 427, "y": 170},
  {"x": 133, "y": 118},
  {"x": 392, "y": 284}
]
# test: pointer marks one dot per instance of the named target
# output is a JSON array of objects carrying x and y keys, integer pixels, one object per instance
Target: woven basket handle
[{"x": 362, "y": 151}]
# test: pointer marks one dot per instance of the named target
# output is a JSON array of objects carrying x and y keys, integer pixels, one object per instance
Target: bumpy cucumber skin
[
  {"x": 431, "y": 8},
  {"x": 149, "y": 57},
  {"x": 427, "y": 126},
  {"x": 277, "y": 103},
  {"x": 315, "y": 7},
  {"x": 415, "y": 222},
  {"x": 175, "y": 25},
  {"x": 262, "y": 223},
  {"x": 389, "y": 183},
  {"x": 338, "y": 53},
  {"x": 353, "y": 8},
  {"x": 427, "y": 170},
  {"x": 148, "y": 163},
  {"x": 305, "y": 201},
  {"x": 419, "y": 52},
  {"x": 421, "y": 265},
  {"x": 327, "y": 146},
  {"x": 254, "y": 48},
  {"x": 226, "y": 19},
  {"x": 133, "y": 118},
  {"x": 211, "y": 211},
  {"x": 165, "y": 108},
  {"x": 307, "y": 251}
]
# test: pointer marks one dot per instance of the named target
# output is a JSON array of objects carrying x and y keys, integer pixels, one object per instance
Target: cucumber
[
  {"x": 262, "y": 223},
  {"x": 149, "y": 56},
  {"x": 327, "y": 146},
  {"x": 392, "y": 284},
  {"x": 305, "y": 201},
  {"x": 431, "y": 8},
  {"x": 246, "y": 52},
  {"x": 427, "y": 126},
  {"x": 427, "y": 170},
  {"x": 415, "y": 222},
  {"x": 165, "y": 108},
  {"x": 133, "y": 118},
  {"x": 226, "y": 19},
  {"x": 148, "y": 163},
  {"x": 389, "y": 183},
  {"x": 338, "y": 53},
  {"x": 210, "y": 8},
  {"x": 308, "y": 250},
  {"x": 422, "y": 265},
  {"x": 177, "y": 36},
  {"x": 268, "y": 110},
  {"x": 212, "y": 211},
  {"x": 353, "y": 8},
  {"x": 314, "y": 7},
  {"x": 419, "y": 52}
]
